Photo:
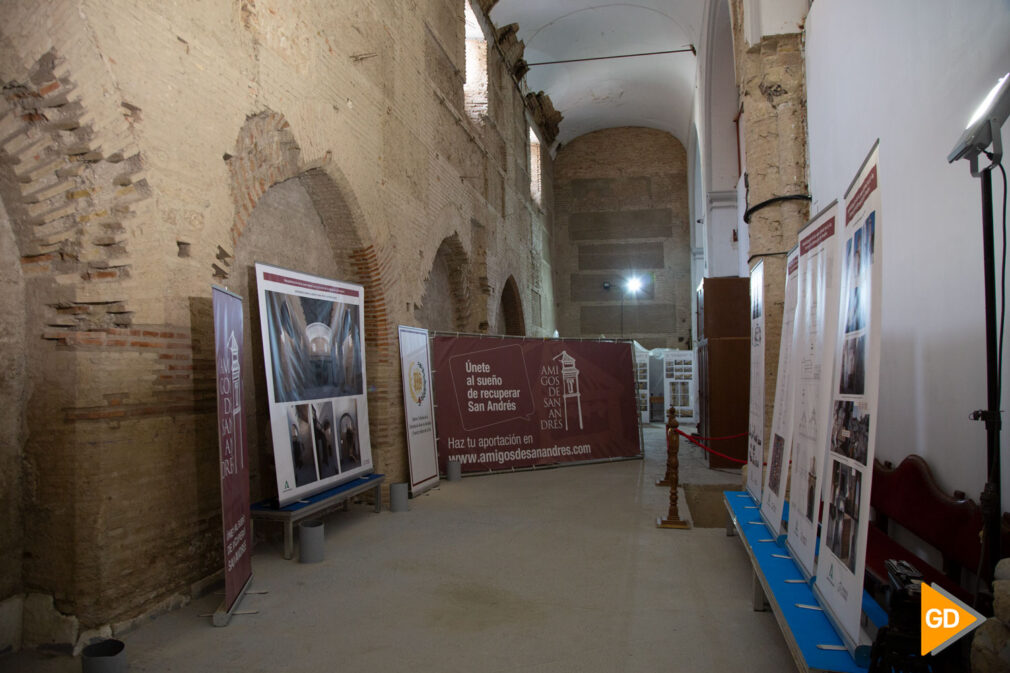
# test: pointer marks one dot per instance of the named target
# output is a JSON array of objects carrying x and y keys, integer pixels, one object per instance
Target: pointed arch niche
[
  {"x": 509, "y": 319},
  {"x": 445, "y": 303},
  {"x": 295, "y": 217}
]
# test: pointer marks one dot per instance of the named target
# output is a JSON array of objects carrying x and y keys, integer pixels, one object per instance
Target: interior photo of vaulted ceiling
[{"x": 528, "y": 173}]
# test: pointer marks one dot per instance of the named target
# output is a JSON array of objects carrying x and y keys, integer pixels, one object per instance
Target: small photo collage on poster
[
  {"x": 775, "y": 468},
  {"x": 843, "y": 514},
  {"x": 850, "y": 432},
  {"x": 858, "y": 269},
  {"x": 323, "y": 438}
]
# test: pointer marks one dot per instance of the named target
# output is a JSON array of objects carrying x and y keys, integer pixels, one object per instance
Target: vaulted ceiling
[{"x": 654, "y": 91}]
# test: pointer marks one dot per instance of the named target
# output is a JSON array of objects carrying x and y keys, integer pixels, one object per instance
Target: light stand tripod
[{"x": 982, "y": 131}]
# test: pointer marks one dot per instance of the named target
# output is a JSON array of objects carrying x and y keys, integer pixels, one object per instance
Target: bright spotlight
[
  {"x": 984, "y": 128},
  {"x": 634, "y": 285}
]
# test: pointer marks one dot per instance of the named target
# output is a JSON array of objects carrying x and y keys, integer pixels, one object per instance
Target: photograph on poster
[
  {"x": 347, "y": 433},
  {"x": 846, "y": 483},
  {"x": 301, "y": 445},
  {"x": 775, "y": 468},
  {"x": 315, "y": 346},
  {"x": 325, "y": 434},
  {"x": 853, "y": 366},
  {"x": 808, "y": 512},
  {"x": 850, "y": 433},
  {"x": 858, "y": 260}
]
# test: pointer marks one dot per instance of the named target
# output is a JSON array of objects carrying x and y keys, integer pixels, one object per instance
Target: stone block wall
[
  {"x": 622, "y": 208},
  {"x": 771, "y": 85},
  {"x": 149, "y": 150}
]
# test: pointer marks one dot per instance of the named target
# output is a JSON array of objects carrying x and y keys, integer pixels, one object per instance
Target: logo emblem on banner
[
  {"x": 417, "y": 382},
  {"x": 944, "y": 619}
]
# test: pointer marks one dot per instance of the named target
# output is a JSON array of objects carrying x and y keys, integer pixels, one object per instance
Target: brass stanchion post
[{"x": 672, "y": 519}]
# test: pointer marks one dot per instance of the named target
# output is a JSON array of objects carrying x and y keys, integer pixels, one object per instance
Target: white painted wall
[
  {"x": 912, "y": 74},
  {"x": 772, "y": 17},
  {"x": 716, "y": 167},
  {"x": 722, "y": 252}
]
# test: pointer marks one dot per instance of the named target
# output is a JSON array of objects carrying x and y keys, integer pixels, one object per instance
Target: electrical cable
[
  {"x": 999, "y": 357},
  {"x": 773, "y": 200},
  {"x": 1002, "y": 300}
]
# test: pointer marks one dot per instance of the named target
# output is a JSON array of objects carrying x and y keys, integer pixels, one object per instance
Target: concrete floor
[{"x": 553, "y": 570}]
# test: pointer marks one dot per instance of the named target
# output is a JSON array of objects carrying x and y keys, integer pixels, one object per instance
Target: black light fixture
[{"x": 982, "y": 132}]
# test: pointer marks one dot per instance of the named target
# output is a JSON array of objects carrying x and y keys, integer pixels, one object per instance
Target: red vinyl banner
[
  {"x": 232, "y": 443},
  {"x": 509, "y": 403}
]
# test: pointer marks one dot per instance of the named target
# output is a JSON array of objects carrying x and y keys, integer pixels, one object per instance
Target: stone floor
[{"x": 551, "y": 570}]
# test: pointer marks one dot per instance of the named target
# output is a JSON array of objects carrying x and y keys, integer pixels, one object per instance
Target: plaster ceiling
[{"x": 654, "y": 91}]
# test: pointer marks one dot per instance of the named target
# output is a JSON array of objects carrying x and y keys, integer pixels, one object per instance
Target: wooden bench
[
  {"x": 910, "y": 497},
  {"x": 316, "y": 505}
]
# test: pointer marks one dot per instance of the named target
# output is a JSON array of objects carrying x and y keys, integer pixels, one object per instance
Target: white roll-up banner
[
  {"x": 816, "y": 318},
  {"x": 842, "y": 550},
  {"x": 773, "y": 496},
  {"x": 415, "y": 369},
  {"x": 756, "y": 421}
]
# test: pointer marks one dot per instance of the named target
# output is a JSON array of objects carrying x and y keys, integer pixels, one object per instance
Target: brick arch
[
  {"x": 511, "y": 308},
  {"x": 72, "y": 185},
  {"x": 453, "y": 257},
  {"x": 266, "y": 153},
  {"x": 69, "y": 200}
]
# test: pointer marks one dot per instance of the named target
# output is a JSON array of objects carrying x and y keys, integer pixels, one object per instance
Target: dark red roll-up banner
[
  {"x": 507, "y": 403},
  {"x": 232, "y": 443}
]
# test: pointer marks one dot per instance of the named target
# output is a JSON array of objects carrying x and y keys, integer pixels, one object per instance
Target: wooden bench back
[{"x": 909, "y": 495}]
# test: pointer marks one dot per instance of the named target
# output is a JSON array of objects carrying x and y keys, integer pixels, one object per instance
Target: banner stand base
[
  {"x": 223, "y": 615},
  {"x": 672, "y": 523}
]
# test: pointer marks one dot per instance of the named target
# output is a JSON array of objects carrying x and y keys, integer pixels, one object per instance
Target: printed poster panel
[
  {"x": 228, "y": 333},
  {"x": 773, "y": 496},
  {"x": 507, "y": 403},
  {"x": 816, "y": 319},
  {"x": 679, "y": 384},
  {"x": 415, "y": 368},
  {"x": 853, "y": 405},
  {"x": 313, "y": 338},
  {"x": 756, "y": 423}
]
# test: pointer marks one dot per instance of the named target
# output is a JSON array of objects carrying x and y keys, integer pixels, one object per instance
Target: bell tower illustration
[{"x": 570, "y": 384}]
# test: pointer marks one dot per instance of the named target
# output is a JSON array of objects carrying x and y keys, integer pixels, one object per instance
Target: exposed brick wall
[
  {"x": 445, "y": 304},
  {"x": 137, "y": 141},
  {"x": 622, "y": 206},
  {"x": 13, "y": 396}
]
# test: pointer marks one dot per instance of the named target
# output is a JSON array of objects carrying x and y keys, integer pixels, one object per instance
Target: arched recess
[
  {"x": 510, "y": 318},
  {"x": 301, "y": 216},
  {"x": 445, "y": 304}
]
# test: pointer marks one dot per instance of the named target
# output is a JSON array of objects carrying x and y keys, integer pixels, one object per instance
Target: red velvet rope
[
  {"x": 712, "y": 451},
  {"x": 716, "y": 439}
]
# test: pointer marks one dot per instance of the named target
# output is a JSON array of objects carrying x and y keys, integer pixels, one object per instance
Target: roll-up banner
[
  {"x": 505, "y": 403},
  {"x": 228, "y": 328},
  {"x": 773, "y": 496},
  {"x": 313, "y": 347},
  {"x": 853, "y": 417},
  {"x": 816, "y": 319},
  {"x": 756, "y": 422},
  {"x": 415, "y": 369}
]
